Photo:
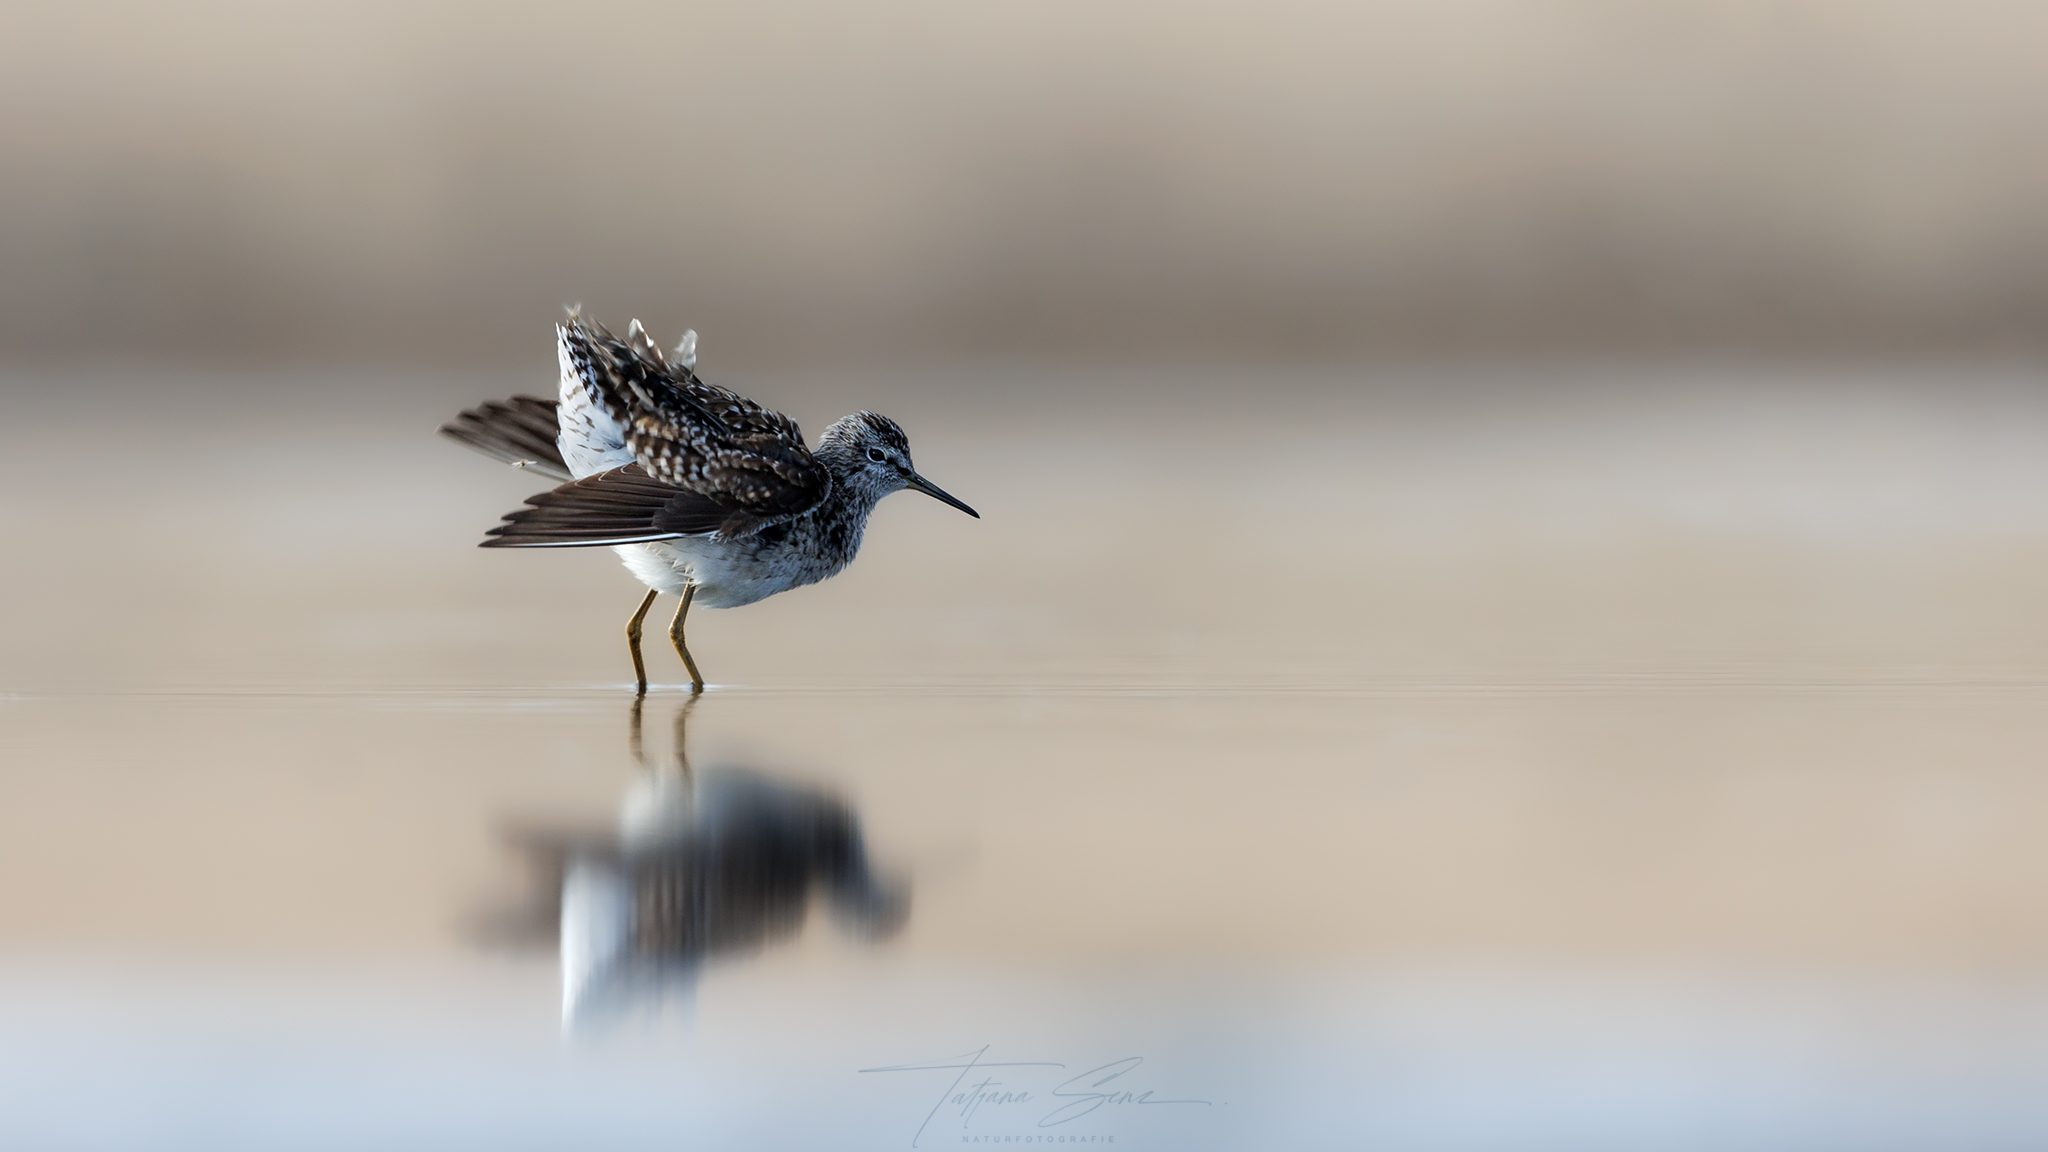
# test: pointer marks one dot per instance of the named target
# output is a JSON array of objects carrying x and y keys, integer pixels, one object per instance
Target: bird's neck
[{"x": 843, "y": 517}]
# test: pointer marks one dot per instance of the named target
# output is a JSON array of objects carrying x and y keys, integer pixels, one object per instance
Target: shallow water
[{"x": 1468, "y": 764}]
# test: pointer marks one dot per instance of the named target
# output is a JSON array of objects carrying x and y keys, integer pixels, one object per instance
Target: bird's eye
[{"x": 877, "y": 455}]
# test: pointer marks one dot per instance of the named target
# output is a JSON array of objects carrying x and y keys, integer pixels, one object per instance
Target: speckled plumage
[
  {"x": 730, "y": 571},
  {"x": 683, "y": 432},
  {"x": 695, "y": 487}
]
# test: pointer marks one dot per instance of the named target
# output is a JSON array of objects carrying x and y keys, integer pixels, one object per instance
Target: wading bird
[{"x": 703, "y": 493}]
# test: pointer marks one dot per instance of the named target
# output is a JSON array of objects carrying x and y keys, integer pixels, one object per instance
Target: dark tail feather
[{"x": 520, "y": 431}]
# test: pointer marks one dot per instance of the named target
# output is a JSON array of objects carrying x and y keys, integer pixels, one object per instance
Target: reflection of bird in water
[
  {"x": 717, "y": 863},
  {"x": 703, "y": 493}
]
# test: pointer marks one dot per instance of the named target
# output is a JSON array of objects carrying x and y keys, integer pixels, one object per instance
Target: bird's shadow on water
[{"x": 700, "y": 865}]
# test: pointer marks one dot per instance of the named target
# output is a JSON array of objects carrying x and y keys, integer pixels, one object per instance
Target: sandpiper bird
[{"x": 703, "y": 493}]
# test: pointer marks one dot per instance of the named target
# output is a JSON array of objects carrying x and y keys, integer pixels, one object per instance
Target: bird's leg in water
[
  {"x": 675, "y": 633},
  {"x": 633, "y": 638}
]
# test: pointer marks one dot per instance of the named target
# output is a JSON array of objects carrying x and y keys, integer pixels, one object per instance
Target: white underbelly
[
  {"x": 671, "y": 565},
  {"x": 656, "y": 566}
]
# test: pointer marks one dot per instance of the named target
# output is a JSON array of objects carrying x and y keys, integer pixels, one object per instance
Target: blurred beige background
[
  {"x": 890, "y": 182},
  {"x": 1511, "y": 578}
]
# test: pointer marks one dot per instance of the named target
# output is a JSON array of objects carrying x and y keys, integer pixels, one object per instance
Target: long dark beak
[{"x": 937, "y": 493}]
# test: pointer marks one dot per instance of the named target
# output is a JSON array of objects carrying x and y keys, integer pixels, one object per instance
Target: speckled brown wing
[{"x": 694, "y": 436}]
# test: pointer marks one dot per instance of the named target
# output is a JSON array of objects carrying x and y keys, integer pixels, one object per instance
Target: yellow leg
[
  {"x": 633, "y": 639},
  {"x": 675, "y": 633}
]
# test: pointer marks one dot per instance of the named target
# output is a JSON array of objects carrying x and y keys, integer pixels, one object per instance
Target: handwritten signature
[{"x": 1073, "y": 1098}]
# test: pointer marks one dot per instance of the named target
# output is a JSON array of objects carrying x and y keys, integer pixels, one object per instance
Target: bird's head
[{"x": 874, "y": 456}]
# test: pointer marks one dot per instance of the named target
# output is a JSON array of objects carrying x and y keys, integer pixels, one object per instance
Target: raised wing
[
  {"x": 694, "y": 437},
  {"x": 622, "y": 506},
  {"x": 520, "y": 431}
]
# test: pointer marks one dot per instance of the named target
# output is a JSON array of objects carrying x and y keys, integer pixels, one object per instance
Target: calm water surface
[{"x": 1467, "y": 768}]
